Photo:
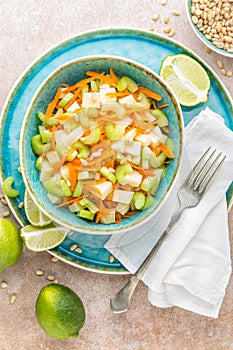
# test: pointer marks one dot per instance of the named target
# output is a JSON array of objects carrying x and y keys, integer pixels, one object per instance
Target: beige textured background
[{"x": 27, "y": 29}]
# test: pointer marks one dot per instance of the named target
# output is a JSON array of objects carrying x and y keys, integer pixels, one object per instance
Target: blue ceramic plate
[{"x": 142, "y": 46}]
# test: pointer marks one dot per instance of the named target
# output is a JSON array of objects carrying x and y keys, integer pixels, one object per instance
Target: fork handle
[{"x": 120, "y": 302}]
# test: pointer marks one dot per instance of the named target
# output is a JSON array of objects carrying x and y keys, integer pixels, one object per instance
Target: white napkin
[{"x": 193, "y": 266}]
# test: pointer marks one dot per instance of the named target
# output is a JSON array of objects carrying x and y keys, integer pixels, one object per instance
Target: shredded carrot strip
[
  {"x": 76, "y": 94},
  {"x": 155, "y": 150},
  {"x": 72, "y": 177},
  {"x": 154, "y": 105},
  {"x": 75, "y": 162},
  {"x": 118, "y": 218},
  {"x": 129, "y": 213},
  {"x": 150, "y": 93},
  {"x": 102, "y": 179},
  {"x": 107, "y": 80},
  {"x": 110, "y": 164},
  {"x": 163, "y": 106},
  {"x": 98, "y": 216},
  {"x": 166, "y": 150},
  {"x": 114, "y": 76},
  {"x": 70, "y": 201},
  {"x": 52, "y": 104},
  {"x": 81, "y": 83}
]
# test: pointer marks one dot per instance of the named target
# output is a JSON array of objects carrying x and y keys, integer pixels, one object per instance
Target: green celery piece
[
  {"x": 78, "y": 190},
  {"x": 108, "y": 174},
  {"x": 144, "y": 100},
  {"x": 154, "y": 161},
  {"x": 150, "y": 184},
  {"x": 50, "y": 121},
  {"x": 139, "y": 200},
  {"x": 39, "y": 162},
  {"x": 121, "y": 171},
  {"x": 86, "y": 203},
  {"x": 114, "y": 107},
  {"x": 72, "y": 156},
  {"x": 38, "y": 147},
  {"x": 53, "y": 187},
  {"x": 65, "y": 188},
  {"x": 161, "y": 116},
  {"x": 44, "y": 133},
  {"x": 148, "y": 202},
  {"x": 7, "y": 188},
  {"x": 114, "y": 131},
  {"x": 120, "y": 157},
  {"x": 146, "y": 152},
  {"x": 86, "y": 214},
  {"x": 83, "y": 150},
  {"x": 92, "y": 112},
  {"x": 94, "y": 86},
  {"x": 63, "y": 102},
  {"x": 127, "y": 83},
  {"x": 83, "y": 118},
  {"x": 94, "y": 135}
]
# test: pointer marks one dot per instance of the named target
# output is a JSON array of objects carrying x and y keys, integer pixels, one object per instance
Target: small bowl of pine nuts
[{"x": 212, "y": 22}]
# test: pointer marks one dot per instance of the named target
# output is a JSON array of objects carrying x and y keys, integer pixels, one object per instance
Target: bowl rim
[
  {"x": 179, "y": 113},
  {"x": 202, "y": 37}
]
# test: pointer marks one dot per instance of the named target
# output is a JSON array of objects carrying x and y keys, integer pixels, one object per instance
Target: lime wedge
[
  {"x": 187, "y": 78},
  {"x": 34, "y": 215},
  {"x": 40, "y": 239}
]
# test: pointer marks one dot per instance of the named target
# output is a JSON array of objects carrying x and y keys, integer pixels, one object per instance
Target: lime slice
[
  {"x": 39, "y": 239},
  {"x": 34, "y": 215},
  {"x": 187, "y": 78}
]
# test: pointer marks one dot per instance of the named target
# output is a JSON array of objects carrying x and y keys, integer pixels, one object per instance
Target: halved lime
[
  {"x": 42, "y": 238},
  {"x": 34, "y": 215},
  {"x": 187, "y": 78}
]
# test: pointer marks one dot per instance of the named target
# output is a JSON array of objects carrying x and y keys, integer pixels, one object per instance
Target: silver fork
[{"x": 189, "y": 196}]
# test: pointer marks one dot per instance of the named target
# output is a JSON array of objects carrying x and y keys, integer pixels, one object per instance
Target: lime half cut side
[
  {"x": 34, "y": 215},
  {"x": 42, "y": 238},
  {"x": 187, "y": 78}
]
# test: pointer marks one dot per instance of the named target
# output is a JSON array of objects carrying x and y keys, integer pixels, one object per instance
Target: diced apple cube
[
  {"x": 145, "y": 139},
  {"x": 122, "y": 208},
  {"x": 133, "y": 148},
  {"x": 108, "y": 218},
  {"x": 104, "y": 189},
  {"x": 91, "y": 99},
  {"x": 121, "y": 196},
  {"x": 73, "y": 107},
  {"x": 134, "y": 179},
  {"x": 118, "y": 146}
]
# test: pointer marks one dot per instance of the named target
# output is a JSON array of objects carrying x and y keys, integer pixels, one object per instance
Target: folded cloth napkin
[{"x": 192, "y": 267}]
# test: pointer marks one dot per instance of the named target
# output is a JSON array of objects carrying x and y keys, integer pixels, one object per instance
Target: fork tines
[{"x": 206, "y": 169}]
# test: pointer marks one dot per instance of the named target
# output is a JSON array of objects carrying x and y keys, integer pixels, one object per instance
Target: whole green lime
[
  {"x": 60, "y": 311},
  {"x": 11, "y": 245}
]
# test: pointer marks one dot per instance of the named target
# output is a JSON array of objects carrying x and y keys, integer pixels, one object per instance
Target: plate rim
[{"x": 93, "y": 33}]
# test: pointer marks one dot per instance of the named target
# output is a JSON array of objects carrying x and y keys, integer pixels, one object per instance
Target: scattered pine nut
[
  {"x": 50, "y": 278},
  {"x": 21, "y": 205},
  {"x": 223, "y": 71},
  {"x": 4, "y": 201},
  {"x": 39, "y": 272},
  {"x": 155, "y": 17},
  {"x": 176, "y": 13},
  {"x": 79, "y": 250},
  {"x": 19, "y": 170},
  {"x": 1, "y": 196},
  {"x": 73, "y": 247},
  {"x": 111, "y": 259},
  {"x": 54, "y": 259},
  {"x": 229, "y": 73},
  {"x": 12, "y": 299},
  {"x": 56, "y": 281},
  {"x": 4, "y": 285},
  {"x": 164, "y": 2},
  {"x": 219, "y": 64},
  {"x": 208, "y": 50},
  {"x": 6, "y": 214},
  {"x": 171, "y": 33},
  {"x": 166, "y": 19},
  {"x": 167, "y": 30}
]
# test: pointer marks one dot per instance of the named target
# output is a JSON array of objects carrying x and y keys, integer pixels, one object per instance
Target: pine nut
[
  {"x": 39, "y": 272},
  {"x": 176, "y": 13},
  {"x": 219, "y": 64},
  {"x": 50, "y": 278},
  {"x": 12, "y": 299},
  {"x": 155, "y": 17},
  {"x": 4, "y": 285},
  {"x": 73, "y": 247},
  {"x": 172, "y": 33},
  {"x": 1, "y": 196},
  {"x": 166, "y": 20},
  {"x": 229, "y": 73},
  {"x": 223, "y": 71},
  {"x": 54, "y": 259},
  {"x": 79, "y": 250},
  {"x": 6, "y": 214},
  {"x": 21, "y": 205},
  {"x": 111, "y": 259},
  {"x": 4, "y": 201},
  {"x": 164, "y": 2},
  {"x": 19, "y": 170},
  {"x": 167, "y": 30}
]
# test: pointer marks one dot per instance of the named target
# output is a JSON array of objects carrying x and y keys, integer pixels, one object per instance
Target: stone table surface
[{"x": 27, "y": 29}]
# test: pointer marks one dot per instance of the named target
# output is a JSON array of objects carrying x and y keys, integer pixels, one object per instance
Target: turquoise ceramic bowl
[{"x": 70, "y": 73}]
